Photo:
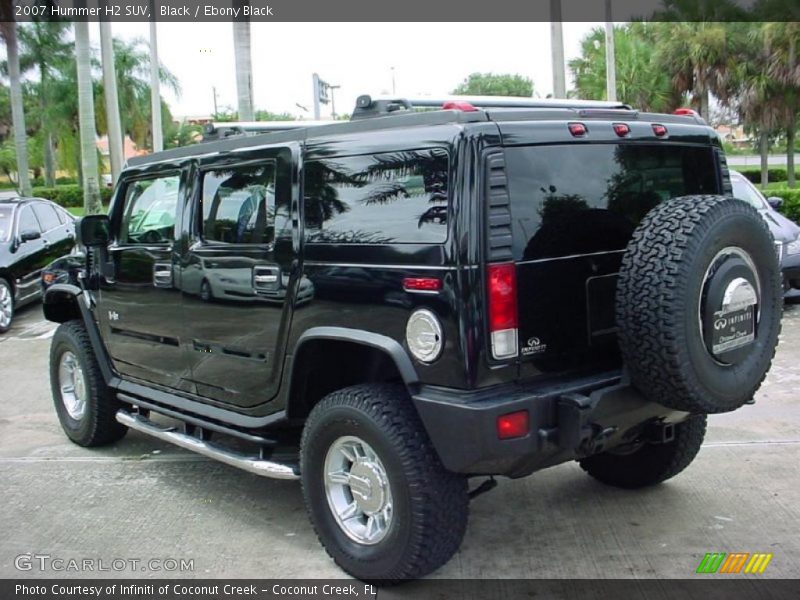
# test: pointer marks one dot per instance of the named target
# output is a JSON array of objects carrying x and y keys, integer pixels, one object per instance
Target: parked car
[
  {"x": 585, "y": 289},
  {"x": 33, "y": 232},
  {"x": 785, "y": 232}
]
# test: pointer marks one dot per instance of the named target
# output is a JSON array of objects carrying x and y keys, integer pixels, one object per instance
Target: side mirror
[
  {"x": 93, "y": 231},
  {"x": 29, "y": 235},
  {"x": 775, "y": 202}
]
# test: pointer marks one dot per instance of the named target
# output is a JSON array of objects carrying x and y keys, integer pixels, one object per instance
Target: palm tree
[
  {"x": 88, "y": 133},
  {"x": 697, "y": 55},
  {"x": 45, "y": 51},
  {"x": 244, "y": 69},
  {"x": 155, "y": 91},
  {"x": 8, "y": 29},
  {"x": 114, "y": 125}
]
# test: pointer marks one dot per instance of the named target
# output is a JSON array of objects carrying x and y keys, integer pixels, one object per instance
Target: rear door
[
  {"x": 30, "y": 256},
  {"x": 58, "y": 236},
  {"x": 574, "y": 208},
  {"x": 239, "y": 274},
  {"x": 140, "y": 307}
]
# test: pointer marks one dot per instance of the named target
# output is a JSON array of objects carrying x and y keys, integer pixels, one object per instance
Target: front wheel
[
  {"x": 381, "y": 503},
  {"x": 6, "y": 306}
]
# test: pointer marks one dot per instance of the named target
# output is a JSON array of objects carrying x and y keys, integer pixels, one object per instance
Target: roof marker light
[
  {"x": 685, "y": 112},
  {"x": 659, "y": 130},
  {"x": 458, "y": 105},
  {"x": 577, "y": 129},
  {"x": 621, "y": 129}
]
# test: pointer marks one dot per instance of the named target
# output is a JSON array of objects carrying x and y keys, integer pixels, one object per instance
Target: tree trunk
[
  {"x": 764, "y": 147},
  {"x": 17, "y": 109},
  {"x": 790, "y": 136},
  {"x": 155, "y": 91},
  {"x": 91, "y": 187},
  {"x": 704, "y": 103},
  {"x": 114, "y": 127},
  {"x": 244, "y": 69},
  {"x": 44, "y": 122}
]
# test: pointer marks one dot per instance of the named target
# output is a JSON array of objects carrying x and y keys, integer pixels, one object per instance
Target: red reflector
[
  {"x": 458, "y": 105},
  {"x": 659, "y": 130},
  {"x": 422, "y": 284},
  {"x": 512, "y": 425},
  {"x": 577, "y": 129},
  {"x": 502, "y": 296},
  {"x": 49, "y": 277},
  {"x": 686, "y": 112},
  {"x": 621, "y": 129}
]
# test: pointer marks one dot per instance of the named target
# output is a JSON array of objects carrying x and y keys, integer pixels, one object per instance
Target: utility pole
[
  {"x": 394, "y": 87},
  {"x": 557, "y": 50},
  {"x": 115, "y": 147},
  {"x": 611, "y": 65},
  {"x": 315, "y": 82},
  {"x": 155, "y": 91},
  {"x": 214, "y": 92}
]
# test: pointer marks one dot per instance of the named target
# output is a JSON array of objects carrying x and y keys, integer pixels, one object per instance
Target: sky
[{"x": 429, "y": 59}]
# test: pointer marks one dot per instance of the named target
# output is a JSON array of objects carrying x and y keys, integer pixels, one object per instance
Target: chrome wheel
[
  {"x": 72, "y": 384},
  {"x": 358, "y": 490},
  {"x": 6, "y": 306}
]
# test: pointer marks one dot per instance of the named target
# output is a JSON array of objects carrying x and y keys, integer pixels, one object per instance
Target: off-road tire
[
  {"x": 431, "y": 503},
  {"x": 657, "y": 306},
  {"x": 10, "y": 292},
  {"x": 98, "y": 425},
  {"x": 651, "y": 463}
]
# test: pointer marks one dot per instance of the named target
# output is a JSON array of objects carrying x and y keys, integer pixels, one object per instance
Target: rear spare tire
[{"x": 699, "y": 304}]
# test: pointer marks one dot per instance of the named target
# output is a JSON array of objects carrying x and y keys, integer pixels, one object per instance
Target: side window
[
  {"x": 149, "y": 211},
  {"x": 27, "y": 220},
  {"x": 238, "y": 204},
  {"x": 47, "y": 216},
  {"x": 397, "y": 197}
]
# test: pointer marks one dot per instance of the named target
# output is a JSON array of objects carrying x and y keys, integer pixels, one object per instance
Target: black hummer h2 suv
[{"x": 389, "y": 307}]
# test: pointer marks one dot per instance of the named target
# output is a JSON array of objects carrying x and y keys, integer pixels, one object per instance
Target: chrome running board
[{"x": 253, "y": 464}]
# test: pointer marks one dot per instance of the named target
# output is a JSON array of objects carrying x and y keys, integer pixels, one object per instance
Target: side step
[{"x": 253, "y": 464}]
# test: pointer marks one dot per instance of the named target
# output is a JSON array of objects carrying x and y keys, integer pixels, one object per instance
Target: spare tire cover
[{"x": 699, "y": 304}]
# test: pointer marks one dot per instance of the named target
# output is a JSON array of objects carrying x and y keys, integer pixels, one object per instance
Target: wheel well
[
  {"x": 9, "y": 280},
  {"x": 323, "y": 366},
  {"x": 60, "y": 306}
]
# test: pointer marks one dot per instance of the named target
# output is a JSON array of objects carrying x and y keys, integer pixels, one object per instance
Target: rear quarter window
[
  {"x": 397, "y": 197},
  {"x": 579, "y": 199}
]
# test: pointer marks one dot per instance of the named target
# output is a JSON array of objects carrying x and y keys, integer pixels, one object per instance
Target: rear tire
[
  {"x": 85, "y": 405},
  {"x": 651, "y": 463},
  {"x": 419, "y": 509},
  {"x": 6, "y": 305}
]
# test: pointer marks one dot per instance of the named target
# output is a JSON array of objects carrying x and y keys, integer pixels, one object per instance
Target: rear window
[
  {"x": 578, "y": 199},
  {"x": 396, "y": 197}
]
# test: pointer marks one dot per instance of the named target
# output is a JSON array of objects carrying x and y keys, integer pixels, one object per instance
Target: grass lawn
[{"x": 78, "y": 210}]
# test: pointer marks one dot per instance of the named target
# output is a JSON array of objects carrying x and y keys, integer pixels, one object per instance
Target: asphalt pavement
[{"x": 147, "y": 501}]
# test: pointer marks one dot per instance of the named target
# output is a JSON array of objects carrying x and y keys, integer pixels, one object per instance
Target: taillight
[
  {"x": 621, "y": 129},
  {"x": 503, "y": 321},
  {"x": 513, "y": 425}
]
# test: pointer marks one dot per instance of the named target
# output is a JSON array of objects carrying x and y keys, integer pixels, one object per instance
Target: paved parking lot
[{"x": 145, "y": 500}]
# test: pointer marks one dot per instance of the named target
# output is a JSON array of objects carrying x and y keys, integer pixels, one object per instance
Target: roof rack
[
  {"x": 380, "y": 106},
  {"x": 222, "y": 130}
]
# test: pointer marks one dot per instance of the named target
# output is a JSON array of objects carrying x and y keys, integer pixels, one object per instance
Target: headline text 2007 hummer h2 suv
[{"x": 390, "y": 307}]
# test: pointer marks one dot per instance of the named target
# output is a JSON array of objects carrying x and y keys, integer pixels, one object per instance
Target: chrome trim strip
[
  {"x": 252, "y": 464},
  {"x": 316, "y": 263},
  {"x": 541, "y": 260}
]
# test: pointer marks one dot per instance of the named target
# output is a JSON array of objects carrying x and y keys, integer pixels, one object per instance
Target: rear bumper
[{"x": 566, "y": 422}]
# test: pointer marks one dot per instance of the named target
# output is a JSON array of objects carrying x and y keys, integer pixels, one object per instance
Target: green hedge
[
  {"x": 775, "y": 174},
  {"x": 791, "y": 202},
  {"x": 69, "y": 195}
]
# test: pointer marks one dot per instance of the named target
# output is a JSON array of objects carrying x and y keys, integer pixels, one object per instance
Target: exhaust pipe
[{"x": 252, "y": 464}]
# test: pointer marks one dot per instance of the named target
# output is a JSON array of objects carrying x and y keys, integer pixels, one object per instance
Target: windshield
[
  {"x": 6, "y": 222},
  {"x": 744, "y": 190}
]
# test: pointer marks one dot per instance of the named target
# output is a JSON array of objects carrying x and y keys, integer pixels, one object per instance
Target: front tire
[
  {"x": 381, "y": 503},
  {"x": 6, "y": 305},
  {"x": 651, "y": 463},
  {"x": 85, "y": 406}
]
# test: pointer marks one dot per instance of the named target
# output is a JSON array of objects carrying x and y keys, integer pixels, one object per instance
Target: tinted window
[
  {"x": 27, "y": 220},
  {"x": 6, "y": 222},
  {"x": 744, "y": 190},
  {"x": 581, "y": 199},
  {"x": 150, "y": 208},
  {"x": 380, "y": 198},
  {"x": 239, "y": 204},
  {"x": 47, "y": 216}
]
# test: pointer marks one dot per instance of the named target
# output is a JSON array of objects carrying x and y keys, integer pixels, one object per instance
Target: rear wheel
[
  {"x": 85, "y": 406},
  {"x": 6, "y": 305},
  {"x": 649, "y": 464},
  {"x": 380, "y": 501}
]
